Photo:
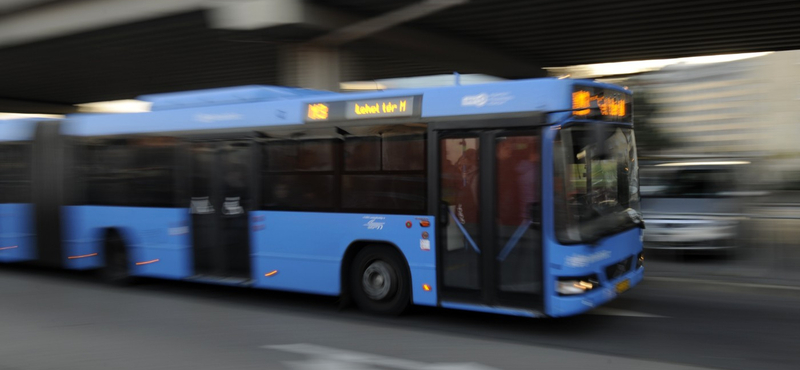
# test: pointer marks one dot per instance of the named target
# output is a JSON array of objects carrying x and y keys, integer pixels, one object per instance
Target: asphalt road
[{"x": 67, "y": 320}]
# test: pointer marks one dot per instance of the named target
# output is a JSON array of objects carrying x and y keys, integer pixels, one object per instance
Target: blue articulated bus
[{"x": 517, "y": 197}]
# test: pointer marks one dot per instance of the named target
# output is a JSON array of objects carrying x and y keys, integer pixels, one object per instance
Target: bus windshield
[{"x": 596, "y": 176}]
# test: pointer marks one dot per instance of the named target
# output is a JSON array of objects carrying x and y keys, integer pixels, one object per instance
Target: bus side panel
[
  {"x": 17, "y": 238},
  {"x": 303, "y": 251},
  {"x": 157, "y": 239}
]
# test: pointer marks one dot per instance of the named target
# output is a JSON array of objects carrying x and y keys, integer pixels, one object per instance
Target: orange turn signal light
[
  {"x": 147, "y": 262},
  {"x": 426, "y": 287},
  {"x": 82, "y": 256}
]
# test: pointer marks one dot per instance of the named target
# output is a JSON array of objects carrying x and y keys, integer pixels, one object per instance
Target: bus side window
[
  {"x": 298, "y": 174},
  {"x": 15, "y": 175},
  {"x": 385, "y": 173}
]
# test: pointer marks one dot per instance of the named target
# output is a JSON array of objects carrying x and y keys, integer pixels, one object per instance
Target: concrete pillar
[{"x": 313, "y": 67}]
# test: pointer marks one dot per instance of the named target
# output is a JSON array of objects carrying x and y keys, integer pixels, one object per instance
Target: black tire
[
  {"x": 117, "y": 269},
  {"x": 379, "y": 280}
]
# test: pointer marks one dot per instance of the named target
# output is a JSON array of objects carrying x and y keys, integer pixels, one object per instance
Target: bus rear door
[{"x": 220, "y": 200}]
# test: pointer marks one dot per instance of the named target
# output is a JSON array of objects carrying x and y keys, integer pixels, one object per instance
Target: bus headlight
[
  {"x": 640, "y": 261},
  {"x": 572, "y": 285}
]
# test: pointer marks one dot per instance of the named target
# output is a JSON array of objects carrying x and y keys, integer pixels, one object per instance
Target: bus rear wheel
[
  {"x": 116, "y": 270},
  {"x": 379, "y": 281}
]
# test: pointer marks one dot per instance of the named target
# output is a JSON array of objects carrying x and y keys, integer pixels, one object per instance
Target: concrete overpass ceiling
[
  {"x": 176, "y": 52},
  {"x": 562, "y": 33},
  {"x": 182, "y": 51}
]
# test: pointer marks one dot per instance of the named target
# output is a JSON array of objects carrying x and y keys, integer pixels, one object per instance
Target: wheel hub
[{"x": 377, "y": 280}]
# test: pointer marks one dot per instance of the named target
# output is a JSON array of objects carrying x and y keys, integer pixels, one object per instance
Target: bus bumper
[{"x": 562, "y": 305}]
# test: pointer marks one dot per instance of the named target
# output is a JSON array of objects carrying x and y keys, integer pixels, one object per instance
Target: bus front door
[
  {"x": 489, "y": 193},
  {"x": 220, "y": 184}
]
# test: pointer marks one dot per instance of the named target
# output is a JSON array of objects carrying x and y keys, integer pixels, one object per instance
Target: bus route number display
[
  {"x": 610, "y": 104},
  {"x": 361, "y": 109}
]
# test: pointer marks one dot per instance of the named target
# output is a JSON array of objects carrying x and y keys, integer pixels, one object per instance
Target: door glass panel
[
  {"x": 235, "y": 168},
  {"x": 460, "y": 165},
  {"x": 203, "y": 209},
  {"x": 517, "y": 202}
]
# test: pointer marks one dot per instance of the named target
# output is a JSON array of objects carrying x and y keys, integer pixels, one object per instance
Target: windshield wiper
[{"x": 593, "y": 231}]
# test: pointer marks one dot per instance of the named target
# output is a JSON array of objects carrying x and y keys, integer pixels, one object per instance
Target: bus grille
[{"x": 618, "y": 269}]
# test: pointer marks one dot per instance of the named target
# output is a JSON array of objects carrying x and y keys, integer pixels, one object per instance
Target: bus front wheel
[{"x": 379, "y": 281}]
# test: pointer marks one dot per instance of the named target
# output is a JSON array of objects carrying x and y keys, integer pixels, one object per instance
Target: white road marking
[
  {"x": 334, "y": 359},
  {"x": 608, "y": 311},
  {"x": 723, "y": 283}
]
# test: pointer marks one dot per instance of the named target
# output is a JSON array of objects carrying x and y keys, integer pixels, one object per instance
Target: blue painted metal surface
[
  {"x": 159, "y": 236},
  {"x": 17, "y": 237},
  {"x": 17, "y": 129},
  {"x": 258, "y": 106},
  {"x": 491, "y": 309},
  {"x": 226, "y": 95},
  {"x": 306, "y": 249},
  {"x": 583, "y": 260}
]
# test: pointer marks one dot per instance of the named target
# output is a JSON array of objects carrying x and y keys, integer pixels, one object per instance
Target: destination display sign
[
  {"x": 403, "y": 106},
  {"x": 599, "y": 103}
]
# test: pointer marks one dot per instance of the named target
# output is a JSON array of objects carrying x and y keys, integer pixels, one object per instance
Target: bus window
[
  {"x": 404, "y": 153},
  {"x": 596, "y": 175},
  {"x": 299, "y": 174},
  {"x": 393, "y": 181},
  {"x": 130, "y": 172},
  {"x": 15, "y": 175},
  {"x": 362, "y": 153}
]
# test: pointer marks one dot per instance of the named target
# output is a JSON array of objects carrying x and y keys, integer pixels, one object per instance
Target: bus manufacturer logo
[
  {"x": 583, "y": 260},
  {"x": 485, "y": 99},
  {"x": 475, "y": 100},
  {"x": 373, "y": 223}
]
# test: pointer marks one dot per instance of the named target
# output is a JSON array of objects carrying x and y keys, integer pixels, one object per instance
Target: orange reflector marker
[
  {"x": 11, "y": 247},
  {"x": 425, "y": 223},
  {"x": 273, "y": 272},
  {"x": 426, "y": 287},
  {"x": 83, "y": 256},
  {"x": 147, "y": 262}
]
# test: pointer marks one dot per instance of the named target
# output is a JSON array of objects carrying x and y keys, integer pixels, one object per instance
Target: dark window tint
[
  {"x": 404, "y": 153},
  {"x": 362, "y": 153},
  {"x": 385, "y": 173},
  {"x": 299, "y": 155},
  {"x": 384, "y": 191},
  {"x": 131, "y": 172},
  {"x": 369, "y": 169},
  {"x": 299, "y": 174},
  {"x": 15, "y": 172},
  {"x": 299, "y": 191}
]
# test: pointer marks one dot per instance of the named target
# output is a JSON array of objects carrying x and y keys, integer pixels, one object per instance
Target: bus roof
[
  {"x": 259, "y": 106},
  {"x": 18, "y": 129}
]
